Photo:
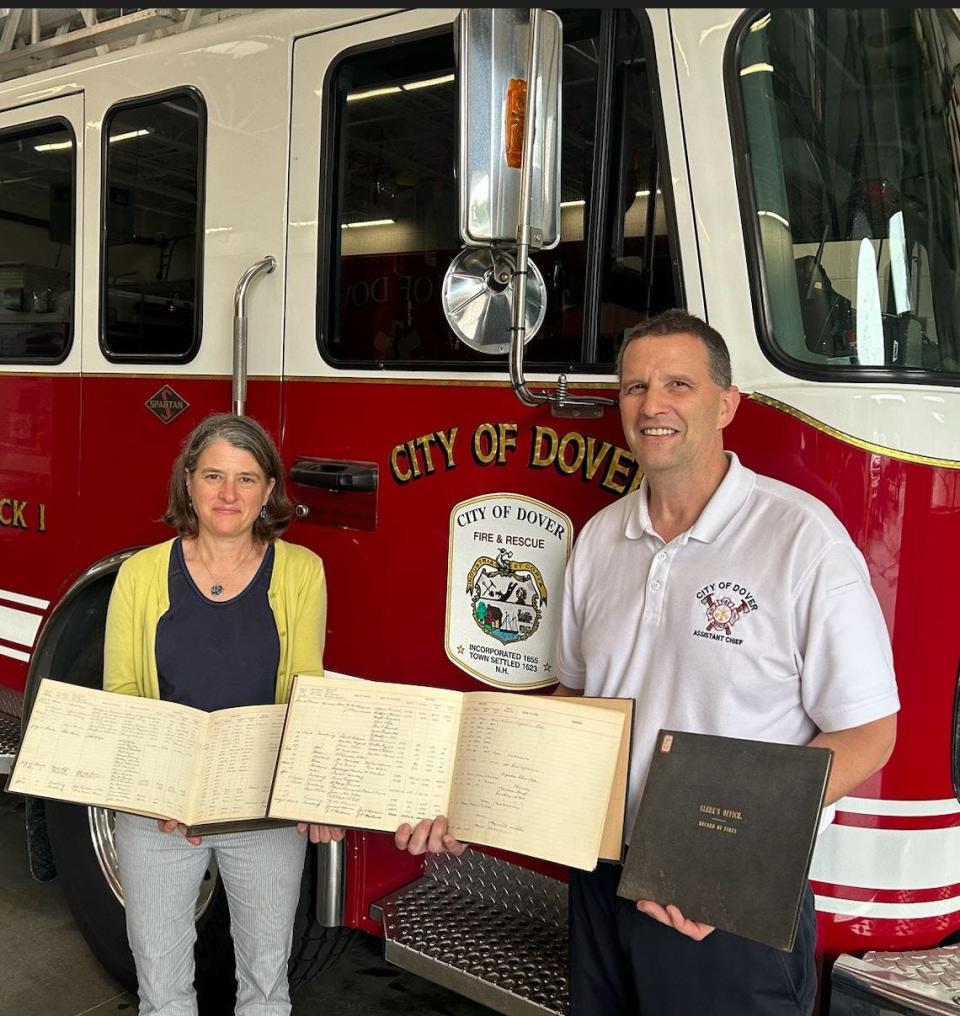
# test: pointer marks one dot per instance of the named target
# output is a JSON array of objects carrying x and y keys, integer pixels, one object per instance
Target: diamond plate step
[
  {"x": 926, "y": 982},
  {"x": 11, "y": 708},
  {"x": 492, "y": 931}
]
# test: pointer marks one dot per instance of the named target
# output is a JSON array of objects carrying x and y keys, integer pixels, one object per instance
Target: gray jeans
[{"x": 161, "y": 875}]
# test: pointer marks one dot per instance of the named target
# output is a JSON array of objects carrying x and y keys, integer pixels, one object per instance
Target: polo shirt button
[
  {"x": 662, "y": 556},
  {"x": 655, "y": 585}
]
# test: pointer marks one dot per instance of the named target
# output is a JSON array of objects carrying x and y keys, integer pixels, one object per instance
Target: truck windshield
[{"x": 850, "y": 123}]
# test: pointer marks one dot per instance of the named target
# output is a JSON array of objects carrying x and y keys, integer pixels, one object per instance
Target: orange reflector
[{"x": 516, "y": 111}]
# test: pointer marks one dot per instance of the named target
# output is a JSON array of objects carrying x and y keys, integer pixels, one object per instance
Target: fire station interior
[{"x": 390, "y": 201}]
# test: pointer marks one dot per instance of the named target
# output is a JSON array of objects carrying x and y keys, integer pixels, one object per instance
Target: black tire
[
  {"x": 100, "y": 917},
  {"x": 96, "y": 911},
  {"x": 315, "y": 948}
]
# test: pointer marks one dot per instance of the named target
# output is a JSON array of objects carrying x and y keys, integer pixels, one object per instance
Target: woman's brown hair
[{"x": 244, "y": 433}]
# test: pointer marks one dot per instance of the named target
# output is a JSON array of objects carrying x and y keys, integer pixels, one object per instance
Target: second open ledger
[{"x": 536, "y": 775}]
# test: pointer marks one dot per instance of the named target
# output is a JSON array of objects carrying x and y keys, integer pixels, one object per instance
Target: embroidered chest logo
[{"x": 724, "y": 604}]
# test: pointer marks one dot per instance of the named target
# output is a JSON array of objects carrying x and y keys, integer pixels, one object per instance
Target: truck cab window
[
  {"x": 392, "y": 205},
  {"x": 153, "y": 228},
  {"x": 850, "y": 121},
  {"x": 37, "y": 194}
]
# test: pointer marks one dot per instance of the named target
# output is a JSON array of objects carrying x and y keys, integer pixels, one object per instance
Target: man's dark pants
[{"x": 624, "y": 963}]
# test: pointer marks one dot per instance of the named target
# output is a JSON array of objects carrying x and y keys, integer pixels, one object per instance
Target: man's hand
[
  {"x": 672, "y": 917},
  {"x": 321, "y": 833},
  {"x": 428, "y": 837},
  {"x": 169, "y": 825}
]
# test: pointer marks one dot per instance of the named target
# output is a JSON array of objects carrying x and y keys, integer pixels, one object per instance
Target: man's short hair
[{"x": 679, "y": 322}]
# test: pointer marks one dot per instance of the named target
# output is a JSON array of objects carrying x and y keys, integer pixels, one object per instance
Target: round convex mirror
[{"x": 477, "y": 296}]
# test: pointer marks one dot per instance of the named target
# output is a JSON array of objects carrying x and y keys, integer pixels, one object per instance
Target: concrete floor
[{"x": 49, "y": 971}]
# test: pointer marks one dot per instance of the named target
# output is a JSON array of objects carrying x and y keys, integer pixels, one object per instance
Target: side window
[
  {"x": 392, "y": 218},
  {"x": 850, "y": 124},
  {"x": 37, "y": 196},
  {"x": 152, "y": 228}
]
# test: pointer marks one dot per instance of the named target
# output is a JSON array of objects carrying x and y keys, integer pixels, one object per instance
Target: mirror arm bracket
[{"x": 559, "y": 400}]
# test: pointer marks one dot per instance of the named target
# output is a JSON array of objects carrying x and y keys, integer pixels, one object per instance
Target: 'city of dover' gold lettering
[
  {"x": 577, "y": 453},
  {"x": 413, "y": 459},
  {"x": 494, "y": 443}
]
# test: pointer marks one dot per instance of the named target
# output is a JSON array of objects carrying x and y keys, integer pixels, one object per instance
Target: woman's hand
[
  {"x": 169, "y": 825},
  {"x": 428, "y": 837},
  {"x": 321, "y": 833}
]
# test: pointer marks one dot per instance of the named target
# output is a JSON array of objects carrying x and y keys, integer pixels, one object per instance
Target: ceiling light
[
  {"x": 369, "y": 222},
  {"x": 427, "y": 83},
  {"x": 356, "y": 96},
  {"x": 130, "y": 134}
]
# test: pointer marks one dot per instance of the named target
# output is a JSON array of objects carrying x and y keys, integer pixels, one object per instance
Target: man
[{"x": 807, "y": 661}]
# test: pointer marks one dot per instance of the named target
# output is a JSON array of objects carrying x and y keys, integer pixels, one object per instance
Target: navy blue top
[{"x": 213, "y": 655}]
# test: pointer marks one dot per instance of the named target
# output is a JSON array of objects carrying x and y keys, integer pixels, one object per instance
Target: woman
[{"x": 222, "y": 615}]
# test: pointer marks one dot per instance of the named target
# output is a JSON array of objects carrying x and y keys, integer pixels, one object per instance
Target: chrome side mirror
[
  {"x": 494, "y": 84},
  {"x": 509, "y": 69}
]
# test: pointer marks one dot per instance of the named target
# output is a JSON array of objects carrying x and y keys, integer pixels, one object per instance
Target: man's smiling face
[{"x": 673, "y": 411}]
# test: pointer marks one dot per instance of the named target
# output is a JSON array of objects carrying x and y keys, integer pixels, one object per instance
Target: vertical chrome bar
[
  {"x": 267, "y": 265},
  {"x": 331, "y": 859},
  {"x": 519, "y": 296}
]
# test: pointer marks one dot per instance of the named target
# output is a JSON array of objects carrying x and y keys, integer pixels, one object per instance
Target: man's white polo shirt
[{"x": 759, "y": 621}]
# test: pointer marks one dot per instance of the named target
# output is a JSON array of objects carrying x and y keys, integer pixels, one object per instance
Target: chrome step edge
[
  {"x": 490, "y": 930},
  {"x": 925, "y": 982}
]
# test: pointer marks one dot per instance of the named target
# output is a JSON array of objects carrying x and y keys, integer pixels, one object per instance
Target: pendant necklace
[{"x": 217, "y": 588}]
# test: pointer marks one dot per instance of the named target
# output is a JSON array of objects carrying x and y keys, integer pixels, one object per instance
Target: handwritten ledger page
[
  {"x": 611, "y": 843},
  {"x": 365, "y": 754},
  {"x": 529, "y": 774},
  {"x": 237, "y": 765},
  {"x": 147, "y": 756},
  {"x": 533, "y": 775}
]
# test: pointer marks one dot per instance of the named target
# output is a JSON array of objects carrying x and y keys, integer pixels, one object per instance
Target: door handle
[{"x": 334, "y": 474}]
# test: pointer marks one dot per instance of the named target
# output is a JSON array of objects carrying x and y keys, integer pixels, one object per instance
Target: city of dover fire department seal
[{"x": 504, "y": 576}]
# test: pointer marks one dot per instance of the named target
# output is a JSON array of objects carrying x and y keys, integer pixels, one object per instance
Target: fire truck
[{"x": 409, "y": 242}]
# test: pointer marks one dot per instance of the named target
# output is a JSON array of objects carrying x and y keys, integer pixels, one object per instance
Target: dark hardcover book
[{"x": 725, "y": 831}]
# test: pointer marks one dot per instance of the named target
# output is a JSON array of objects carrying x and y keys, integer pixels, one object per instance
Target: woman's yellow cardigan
[{"x": 140, "y": 597}]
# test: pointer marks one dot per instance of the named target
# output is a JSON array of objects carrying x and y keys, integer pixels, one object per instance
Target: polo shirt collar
[{"x": 727, "y": 500}]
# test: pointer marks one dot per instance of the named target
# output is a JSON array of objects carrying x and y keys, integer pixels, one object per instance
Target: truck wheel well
[
  {"x": 78, "y": 622},
  {"x": 70, "y": 648}
]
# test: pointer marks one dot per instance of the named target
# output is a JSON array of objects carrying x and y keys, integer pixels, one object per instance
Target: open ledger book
[{"x": 536, "y": 775}]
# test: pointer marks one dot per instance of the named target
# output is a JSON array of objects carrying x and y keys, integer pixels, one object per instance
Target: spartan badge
[
  {"x": 166, "y": 405},
  {"x": 507, "y": 597},
  {"x": 723, "y": 614}
]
